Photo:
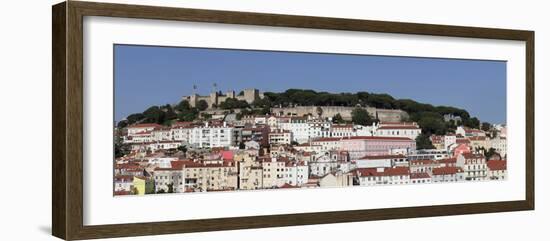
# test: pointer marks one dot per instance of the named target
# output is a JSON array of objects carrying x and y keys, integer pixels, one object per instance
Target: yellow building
[{"x": 139, "y": 185}]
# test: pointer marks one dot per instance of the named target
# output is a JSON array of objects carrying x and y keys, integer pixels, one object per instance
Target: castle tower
[
  {"x": 230, "y": 94},
  {"x": 250, "y": 95}
]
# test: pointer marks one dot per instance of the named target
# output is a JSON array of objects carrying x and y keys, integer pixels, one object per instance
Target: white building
[
  {"x": 181, "y": 134},
  {"x": 280, "y": 137},
  {"x": 383, "y": 176},
  {"x": 124, "y": 183},
  {"x": 468, "y": 132},
  {"x": 474, "y": 166},
  {"x": 449, "y": 141},
  {"x": 447, "y": 174},
  {"x": 273, "y": 172},
  {"x": 496, "y": 169},
  {"x": 145, "y": 127},
  {"x": 306, "y": 128},
  {"x": 420, "y": 178},
  {"x": 336, "y": 179},
  {"x": 327, "y": 143},
  {"x": 499, "y": 144},
  {"x": 296, "y": 173},
  {"x": 166, "y": 177},
  {"x": 209, "y": 136},
  {"x": 381, "y": 161},
  {"x": 421, "y": 166},
  {"x": 162, "y": 134},
  {"x": 405, "y": 129},
  {"x": 139, "y": 137},
  {"x": 323, "y": 165},
  {"x": 342, "y": 131}
]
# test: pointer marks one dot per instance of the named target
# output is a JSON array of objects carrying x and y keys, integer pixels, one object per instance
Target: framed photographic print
[{"x": 171, "y": 120}]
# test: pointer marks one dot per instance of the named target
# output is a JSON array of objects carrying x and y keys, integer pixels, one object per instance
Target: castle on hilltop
[{"x": 216, "y": 98}]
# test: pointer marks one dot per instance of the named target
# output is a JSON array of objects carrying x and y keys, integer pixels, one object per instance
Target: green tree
[
  {"x": 206, "y": 116},
  {"x": 182, "y": 148},
  {"x": 472, "y": 123},
  {"x": 133, "y": 118},
  {"x": 338, "y": 119},
  {"x": 189, "y": 115},
  {"x": 183, "y": 106},
  {"x": 486, "y": 126},
  {"x": 121, "y": 150},
  {"x": 489, "y": 153},
  {"x": 232, "y": 103},
  {"x": 319, "y": 111},
  {"x": 121, "y": 124},
  {"x": 423, "y": 142},
  {"x": 202, "y": 105},
  {"x": 154, "y": 115},
  {"x": 169, "y": 113},
  {"x": 360, "y": 116}
]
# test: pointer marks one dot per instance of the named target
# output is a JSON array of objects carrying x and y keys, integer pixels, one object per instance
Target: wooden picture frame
[{"x": 67, "y": 152}]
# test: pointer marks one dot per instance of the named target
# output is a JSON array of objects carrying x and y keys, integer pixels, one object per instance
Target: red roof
[
  {"x": 182, "y": 124},
  {"x": 362, "y": 138},
  {"x": 342, "y": 126},
  {"x": 395, "y": 171},
  {"x": 397, "y": 123},
  {"x": 144, "y": 125},
  {"x": 123, "y": 178},
  {"x": 451, "y": 160},
  {"x": 472, "y": 130},
  {"x": 446, "y": 170},
  {"x": 420, "y": 175},
  {"x": 227, "y": 155},
  {"x": 472, "y": 156},
  {"x": 496, "y": 165},
  {"x": 120, "y": 193},
  {"x": 399, "y": 127},
  {"x": 462, "y": 141},
  {"x": 378, "y": 157},
  {"x": 477, "y": 138},
  {"x": 127, "y": 166},
  {"x": 422, "y": 162},
  {"x": 286, "y": 185}
]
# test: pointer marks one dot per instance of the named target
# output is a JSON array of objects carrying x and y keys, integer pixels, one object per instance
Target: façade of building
[{"x": 216, "y": 98}]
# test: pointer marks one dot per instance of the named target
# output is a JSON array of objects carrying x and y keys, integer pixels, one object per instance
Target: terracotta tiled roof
[
  {"x": 422, "y": 162},
  {"x": 420, "y": 175},
  {"x": 395, "y": 171},
  {"x": 144, "y": 125},
  {"x": 496, "y": 165},
  {"x": 124, "y": 178},
  {"x": 446, "y": 170},
  {"x": 324, "y": 139},
  {"x": 286, "y": 185},
  {"x": 378, "y": 157},
  {"x": 472, "y": 156},
  {"x": 399, "y": 127},
  {"x": 447, "y": 161},
  {"x": 477, "y": 138}
]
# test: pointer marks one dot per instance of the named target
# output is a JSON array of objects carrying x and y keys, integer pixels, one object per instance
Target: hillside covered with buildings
[{"x": 301, "y": 139}]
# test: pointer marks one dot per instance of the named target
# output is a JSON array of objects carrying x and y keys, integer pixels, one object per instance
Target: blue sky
[{"x": 148, "y": 75}]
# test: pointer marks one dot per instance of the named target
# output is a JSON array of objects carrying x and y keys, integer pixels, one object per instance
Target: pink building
[{"x": 359, "y": 146}]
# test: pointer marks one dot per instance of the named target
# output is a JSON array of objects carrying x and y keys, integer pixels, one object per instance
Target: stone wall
[{"x": 345, "y": 112}]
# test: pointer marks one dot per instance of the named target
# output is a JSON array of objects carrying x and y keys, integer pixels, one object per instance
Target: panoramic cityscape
[{"x": 261, "y": 137}]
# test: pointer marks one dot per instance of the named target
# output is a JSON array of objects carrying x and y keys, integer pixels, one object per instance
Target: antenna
[{"x": 194, "y": 89}]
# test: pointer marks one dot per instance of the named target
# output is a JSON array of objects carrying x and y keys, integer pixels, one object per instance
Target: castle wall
[
  {"x": 250, "y": 95},
  {"x": 345, "y": 112}
]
